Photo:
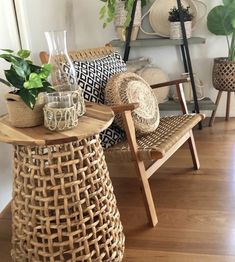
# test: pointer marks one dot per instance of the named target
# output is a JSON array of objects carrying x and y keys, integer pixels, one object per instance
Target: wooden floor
[{"x": 196, "y": 210}]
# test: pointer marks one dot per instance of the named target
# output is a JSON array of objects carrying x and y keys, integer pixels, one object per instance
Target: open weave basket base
[
  {"x": 64, "y": 208},
  {"x": 224, "y": 76}
]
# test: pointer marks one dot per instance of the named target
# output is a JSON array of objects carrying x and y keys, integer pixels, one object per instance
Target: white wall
[{"x": 8, "y": 39}]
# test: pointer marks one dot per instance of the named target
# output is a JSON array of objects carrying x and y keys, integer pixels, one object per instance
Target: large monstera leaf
[{"x": 220, "y": 19}]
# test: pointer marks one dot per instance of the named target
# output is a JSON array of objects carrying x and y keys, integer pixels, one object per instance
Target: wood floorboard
[{"x": 196, "y": 209}]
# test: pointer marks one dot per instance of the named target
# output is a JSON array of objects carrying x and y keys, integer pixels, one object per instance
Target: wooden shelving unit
[
  {"x": 183, "y": 44},
  {"x": 156, "y": 42},
  {"x": 204, "y": 105}
]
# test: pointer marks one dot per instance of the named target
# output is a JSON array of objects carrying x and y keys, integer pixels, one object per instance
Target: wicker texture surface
[
  {"x": 127, "y": 87},
  {"x": 83, "y": 54},
  {"x": 63, "y": 205},
  {"x": 224, "y": 74},
  {"x": 169, "y": 131}
]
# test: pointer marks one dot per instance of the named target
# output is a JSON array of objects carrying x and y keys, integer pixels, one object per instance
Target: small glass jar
[{"x": 59, "y": 112}]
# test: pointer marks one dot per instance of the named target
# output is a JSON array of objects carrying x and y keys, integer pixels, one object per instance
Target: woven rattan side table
[{"x": 63, "y": 206}]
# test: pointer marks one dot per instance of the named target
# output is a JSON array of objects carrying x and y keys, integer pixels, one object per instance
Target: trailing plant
[
  {"x": 26, "y": 79},
  {"x": 174, "y": 14},
  {"x": 221, "y": 21},
  {"x": 108, "y": 10}
]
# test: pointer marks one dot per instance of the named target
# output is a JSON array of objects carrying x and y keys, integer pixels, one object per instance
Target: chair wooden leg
[
  {"x": 147, "y": 195},
  {"x": 193, "y": 150},
  {"x": 228, "y": 105},
  {"x": 214, "y": 111}
]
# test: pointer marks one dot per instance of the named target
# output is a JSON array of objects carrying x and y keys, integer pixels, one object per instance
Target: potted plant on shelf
[
  {"x": 28, "y": 81},
  {"x": 221, "y": 21},
  {"x": 120, "y": 12},
  {"x": 175, "y": 26}
]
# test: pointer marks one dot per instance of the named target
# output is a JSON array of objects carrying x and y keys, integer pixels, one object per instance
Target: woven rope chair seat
[{"x": 168, "y": 133}]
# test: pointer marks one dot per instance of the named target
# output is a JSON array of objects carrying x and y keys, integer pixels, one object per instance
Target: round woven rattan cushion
[
  {"x": 125, "y": 88},
  {"x": 224, "y": 74}
]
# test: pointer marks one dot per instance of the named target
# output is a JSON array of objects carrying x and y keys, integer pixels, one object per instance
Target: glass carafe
[{"x": 63, "y": 75}]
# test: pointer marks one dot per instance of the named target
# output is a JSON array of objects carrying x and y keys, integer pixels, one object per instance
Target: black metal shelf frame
[{"x": 184, "y": 47}]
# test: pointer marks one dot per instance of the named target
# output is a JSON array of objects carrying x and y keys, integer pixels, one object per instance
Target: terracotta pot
[
  {"x": 223, "y": 76},
  {"x": 20, "y": 115}
]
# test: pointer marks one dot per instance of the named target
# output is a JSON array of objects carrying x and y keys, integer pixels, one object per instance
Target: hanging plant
[{"x": 108, "y": 10}]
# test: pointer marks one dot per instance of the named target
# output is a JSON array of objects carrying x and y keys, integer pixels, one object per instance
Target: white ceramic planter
[{"x": 176, "y": 32}]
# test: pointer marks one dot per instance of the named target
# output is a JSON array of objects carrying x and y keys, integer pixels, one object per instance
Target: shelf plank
[
  {"x": 204, "y": 104},
  {"x": 154, "y": 42}
]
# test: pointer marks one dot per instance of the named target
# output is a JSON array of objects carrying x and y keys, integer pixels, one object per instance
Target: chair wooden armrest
[
  {"x": 121, "y": 108},
  {"x": 178, "y": 83},
  {"x": 170, "y": 83}
]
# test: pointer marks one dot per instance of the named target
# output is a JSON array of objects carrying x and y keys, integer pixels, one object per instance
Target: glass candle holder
[
  {"x": 59, "y": 112},
  {"x": 75, "y": 94}
]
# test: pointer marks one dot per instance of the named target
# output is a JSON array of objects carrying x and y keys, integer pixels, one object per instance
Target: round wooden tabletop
[{"x": 96, "y": 119}]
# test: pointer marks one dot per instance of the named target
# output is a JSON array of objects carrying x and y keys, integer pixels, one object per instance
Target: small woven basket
[
  {"x": 223, "y": 76},
  {"x": 20, "y": 115}
]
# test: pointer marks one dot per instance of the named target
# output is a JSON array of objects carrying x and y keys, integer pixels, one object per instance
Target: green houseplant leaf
[
  {"x": 23, "y": 53},
  {"x": 221, "y": 21},
  {"x": 5, "y": 82},
  {"x": 107, "y": 11},
  {"x": 28, "y": 79}
]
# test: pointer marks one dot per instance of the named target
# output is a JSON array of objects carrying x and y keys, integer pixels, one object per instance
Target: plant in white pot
[
  {"x": 27, "y": 81},
  {"x": 120, "y": 12},
  {"x": 221, "y": 22},
  {"x": 175, "y": 25}
]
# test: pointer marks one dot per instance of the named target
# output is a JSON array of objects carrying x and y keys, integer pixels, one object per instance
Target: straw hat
[{"x": 159, "y": 13}]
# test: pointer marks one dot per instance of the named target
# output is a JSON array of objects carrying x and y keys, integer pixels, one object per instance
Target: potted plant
[
  {"x": 175, "y": 26},
  {"x": 120, "y": 11},
  {"x": 221, "y": 21},
  {"x": 27, "y": 81}
]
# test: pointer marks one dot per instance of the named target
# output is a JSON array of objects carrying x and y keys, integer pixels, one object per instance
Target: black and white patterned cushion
[{"x": 92, "y": 76}]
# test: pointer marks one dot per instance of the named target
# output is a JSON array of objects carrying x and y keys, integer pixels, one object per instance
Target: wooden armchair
[{"x": 156, "y": 147}]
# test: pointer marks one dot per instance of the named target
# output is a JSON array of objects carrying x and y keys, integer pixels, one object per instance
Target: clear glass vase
[{"x": 63, "y": 75}]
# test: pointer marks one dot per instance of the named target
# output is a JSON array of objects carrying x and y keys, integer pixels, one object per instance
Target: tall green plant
[
  {"x": 221, "y": 21},
  {"x": 27, "y": 79},
  {"x": 108, "y": 10}
]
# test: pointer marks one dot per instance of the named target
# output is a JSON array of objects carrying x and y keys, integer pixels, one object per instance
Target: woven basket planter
[
  {"x": 223, "y": 76},
  {"x": 176, "y": 31},
  {"x": 20, "y": 115},
  {"x": 120, "y": 18}
]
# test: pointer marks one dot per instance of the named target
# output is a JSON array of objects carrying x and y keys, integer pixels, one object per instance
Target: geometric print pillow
[
  {"x": 111, "y": 136},
  {"x": 92, "y": 76}
]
